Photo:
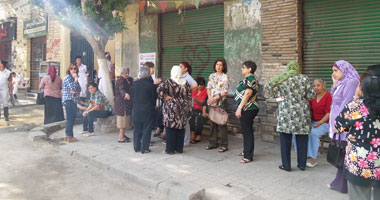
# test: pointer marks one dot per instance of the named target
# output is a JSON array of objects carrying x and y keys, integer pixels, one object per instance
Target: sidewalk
[{"x": 220, "y": 174}]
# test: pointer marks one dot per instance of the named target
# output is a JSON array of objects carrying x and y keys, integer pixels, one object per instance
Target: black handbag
[
  {"x": 40, "y": 98},
  {"x": 336, "y": 153}
]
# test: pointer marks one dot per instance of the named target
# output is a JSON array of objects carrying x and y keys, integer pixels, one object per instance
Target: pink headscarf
[{"x": 52, "y": 72}]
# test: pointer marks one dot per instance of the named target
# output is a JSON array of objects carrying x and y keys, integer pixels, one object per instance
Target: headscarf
[
  {"x": 52, "y": 72},
  {"x": 349, "y": 72},
  {"x": 176, "y": 75},
  {"x": 292, "y": 69}
]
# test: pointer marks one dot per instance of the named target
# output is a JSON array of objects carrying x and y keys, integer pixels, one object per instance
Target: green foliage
[{"x": 100, "y": 16}]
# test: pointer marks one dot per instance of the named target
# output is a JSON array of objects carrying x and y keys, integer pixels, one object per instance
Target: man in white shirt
[
  {"x": 83, "y": 77},
  {"x": 5, "y": 88}
]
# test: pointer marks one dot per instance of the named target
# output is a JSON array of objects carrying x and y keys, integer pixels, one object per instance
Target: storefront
[
  {"x": 339, "y": 29},
  {"x": 7, "y": 34}
]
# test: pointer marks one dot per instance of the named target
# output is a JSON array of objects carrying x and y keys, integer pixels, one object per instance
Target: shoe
[
  {"x": 163, "y": 142},
  {"x": 146, "y": 151},
  {"x": 308, "y": 164},
  {"x": 65, "y": 138},
  {"x": 301, "y": 168},
  {"x": 245, "y": 160},
  {"x": 89, "y": 134},
  {"x": 83, "y": 132},
  {"x": 282, "y": 167},
  {"x": 71, "y": 140}
]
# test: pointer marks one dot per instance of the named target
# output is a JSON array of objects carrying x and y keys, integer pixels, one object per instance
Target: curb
[
  {"x": 43, "y": 131},
  {"x": 165, "y": 187}
]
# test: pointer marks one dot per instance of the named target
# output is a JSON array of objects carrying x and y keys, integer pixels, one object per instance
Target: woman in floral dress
[
  {"x": 361, "y": 120},
  {"x": 217, "y": 88},
  {"x": 293, "y": 89}
]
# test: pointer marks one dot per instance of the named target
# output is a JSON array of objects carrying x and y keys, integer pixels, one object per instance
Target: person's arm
[
  {"x": 201, "y": 98},
  {"x": 42, "y": 84},
  {"x": 348, "y": 92},
  {"x": 323, "y": 120},
  {"x": 310, "y": 93},
  {"x": 247, "y": 94},
  {"x": 10, "y": 85}
]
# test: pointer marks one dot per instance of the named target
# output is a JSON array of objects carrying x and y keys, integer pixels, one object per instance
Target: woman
[
  {"x": 361, "y": 119},
  {"x": 123, "y": 104},
  {"x": 292, "y": 89},
  {"x": 247, "y": 109},
  {"x": 175, "y": 109},
  {"x": 144, "y": 101},
  {"x": 70, "y": 99},
  {"x": 217, "y": 88},
  {"x": 98, "y": 108},
  {"x": 345, "y": 81},
  {"x": 52, "y": 85},
  {"x": 320, "y": 109},
  {"x": 196, "y": 120}
]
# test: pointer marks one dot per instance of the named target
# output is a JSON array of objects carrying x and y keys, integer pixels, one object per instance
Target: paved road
[{"x": 38, "y": 171}]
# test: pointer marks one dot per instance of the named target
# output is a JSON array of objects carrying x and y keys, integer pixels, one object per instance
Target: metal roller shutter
[
  {"x": 340, "y": 29},
  {"x": 197, "y": 37}
]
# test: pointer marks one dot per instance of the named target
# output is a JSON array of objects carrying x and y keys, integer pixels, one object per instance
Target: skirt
[
  {"x": 53, "y": 110},
  {"x": 124, "y": 121}
]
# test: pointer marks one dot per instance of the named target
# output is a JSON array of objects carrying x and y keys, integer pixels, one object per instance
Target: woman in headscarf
[
  {"x": 292, "y": 89},
  {"x": 52, "y": 85},
  {"x": 345, "y": 81},
  {"x": 177, "y": 94},
  {"x": 361, "y": 119}
]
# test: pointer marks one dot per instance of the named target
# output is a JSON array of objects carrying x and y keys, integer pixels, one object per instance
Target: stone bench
[{"x": 106, "y": 125}]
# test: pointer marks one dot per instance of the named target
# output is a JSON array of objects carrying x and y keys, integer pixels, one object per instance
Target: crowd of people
[{"x": 180, "y": 105}]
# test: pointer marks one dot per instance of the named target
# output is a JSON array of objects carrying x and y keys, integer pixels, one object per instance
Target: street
[{"x": 37, "y": 171}]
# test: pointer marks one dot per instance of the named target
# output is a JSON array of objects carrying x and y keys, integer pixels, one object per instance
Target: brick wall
[
  {"x": 53, "y": 41},
  {"x": 21, "y": 52}
]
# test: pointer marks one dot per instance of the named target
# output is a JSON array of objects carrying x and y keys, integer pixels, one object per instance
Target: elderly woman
[
  {"x": 345, "y": 81},
  {"x": 123, "y": 104},
  {"x": 175, "y": 109},
  {"x": 52, "y": 85},
  {"x": 292, "y": 89},
  {"x": 98, "y": 108},
  {"x": 144, "y": 101},
  {"x": 217, "y": 88},
  {"x": 70, "y": 98},
  {"x": 247, "y": 109},
  {"x": 320, "y": 109},
  {"x": 361, "y": 120}
]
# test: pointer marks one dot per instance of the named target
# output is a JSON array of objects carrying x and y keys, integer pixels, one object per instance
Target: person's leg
[
  {"x": 137, "y": 135},
  {"x": 180, "y": 135},
  {"x": 301, "y": 150},
  {"x": 223, "y": 136},
  {"x": 85, "y": 123},
  {"x": 199, "y": 121},
  {"x": 170, "y": 140},
  {"x": 294, "y": 142},
  {"x": 356, "y": 192},
  {"x": 147, "y": 133},
  {"x": 286, "y": 145},
  {"x": 340, "y": 182},
  {"x": 246, "y": 121},
  {"x": 213, "y": 135},
  {"x": 94, "y": 115},
  {"x": 314, "y": 140},
  {"x": 186, "y": 141},
  {"x": 70, "y": 118},
  {"x": 192, "y": 127}
]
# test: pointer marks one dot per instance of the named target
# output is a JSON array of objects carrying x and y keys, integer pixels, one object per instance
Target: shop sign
[
  {"x": 36, "y": 27},
  {"x": 8, "y": 31}
]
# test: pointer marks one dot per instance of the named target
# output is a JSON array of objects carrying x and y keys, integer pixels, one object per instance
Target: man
[
  {"x": 111, "y": 70},
  {"x": 83, "y": 78},
  {"x": 5, "y": 88}
]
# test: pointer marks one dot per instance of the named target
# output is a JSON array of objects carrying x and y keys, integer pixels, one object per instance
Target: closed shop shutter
[
  {"x": 340, "y": 29},
  {"x": 196, "y": 37},
  {"x": 5, "y": 50},
  {"x": 80, "y": 47},
  {"x": 38, "y": 54}
]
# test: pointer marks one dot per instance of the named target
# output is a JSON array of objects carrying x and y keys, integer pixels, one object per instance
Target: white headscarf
[{"x": 176, "y": 75}]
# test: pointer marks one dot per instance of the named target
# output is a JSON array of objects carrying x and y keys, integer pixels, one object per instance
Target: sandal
[
  {"x": 126, "y": 139},
  {"x": 210, "y": 147},
  {"x": 222, "y": 149},
  {"x": 245, "y": 160},
  {"x": 146, "y": 151}
]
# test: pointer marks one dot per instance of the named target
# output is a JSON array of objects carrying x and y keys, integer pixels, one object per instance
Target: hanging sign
[
  {"x": 36, "y": 27},
  {"x": 8, "y": 31}
]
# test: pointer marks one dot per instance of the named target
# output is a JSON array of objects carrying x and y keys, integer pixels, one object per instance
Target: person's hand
[
  {"x": 317, "y": 124},
  {"x": 238, "y": 112},
  {"x": 168, "y": 98},
  {"x": 336, "y": 130},
  {"x": 158, "y": 81},
  {"x": 205, "y": 115},
  {"x": 85, "y": 113},
  {"x": 335, "y": 81},
  {"x": 351, "y": 138},
  {"x": 358, "y": 92},
  {"x": 127, "y": 97},
  {"x": 75, "y": 75},
  {"x": 210, "y": 101}
]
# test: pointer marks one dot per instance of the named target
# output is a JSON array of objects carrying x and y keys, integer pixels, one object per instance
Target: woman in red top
[
  {"x": 320, "y": 107},
  {"x": 197, "y": 117}
]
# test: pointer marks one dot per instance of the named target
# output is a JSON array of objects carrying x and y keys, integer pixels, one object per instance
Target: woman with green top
[
  {"x": 292, "y": 89},
  {"x": 245, "y": 97}
]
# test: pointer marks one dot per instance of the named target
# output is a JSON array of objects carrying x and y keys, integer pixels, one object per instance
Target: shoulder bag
[{"x": 40, "y": 98}]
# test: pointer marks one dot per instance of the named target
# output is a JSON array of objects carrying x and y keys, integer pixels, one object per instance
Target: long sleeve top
[
  {"x": 51, "y": 89},
  {"x": 68, "y": 85}
]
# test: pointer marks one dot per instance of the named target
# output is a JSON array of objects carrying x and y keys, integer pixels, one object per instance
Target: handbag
[
  {"x": 40, "y": 98},
  {"x": 218, "y": 115},
  {"x": 336, "y": 153}
]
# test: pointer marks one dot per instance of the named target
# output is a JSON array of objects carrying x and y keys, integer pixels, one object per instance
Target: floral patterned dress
[
  {"x": 218, "y": 84},
  {"x": 294, "y": 112},
  {"x": 362, "y": 160}
]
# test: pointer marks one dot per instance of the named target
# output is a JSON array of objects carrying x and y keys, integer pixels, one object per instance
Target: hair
[
  {"x": 124, "y": 69},
  {"x": 370, "y": 85},
  {"x": 70, "y": 67},
  {"x": 250, "y": 64},
  {"x": 224, "y": 64},
  {"x": 3, "y": 62},
  {"x": 148, "y": 64},
  {"x": 188, "y": 67},
  {"x": 107, "y": 55},
  {"x": 13, "y": 73},
  {"x": 144, "y": 72},
  {"x": 76, "y": 57},
  {"x": 200, "y": 81},
  {"x": 93, "y": 84},
  {"x": 321, "y": 81}
]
